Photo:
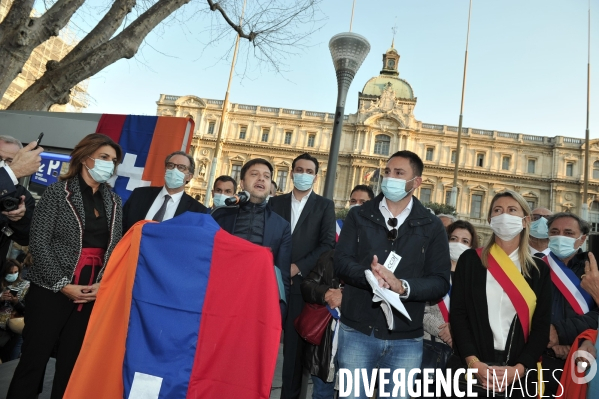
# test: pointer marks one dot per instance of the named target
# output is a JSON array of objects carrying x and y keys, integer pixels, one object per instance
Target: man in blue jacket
[
  {"x": 393, "y": 222},
  {"x": 257, "y": 223}
]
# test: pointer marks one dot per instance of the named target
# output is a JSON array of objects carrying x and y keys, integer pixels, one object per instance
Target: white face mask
[
  {"x": 506, "y": 226},
  {"x": 456, "y": 249}
]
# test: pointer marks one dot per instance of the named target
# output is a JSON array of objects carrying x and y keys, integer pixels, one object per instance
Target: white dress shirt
[
  {"x": 499, "y": 304},
  {"x": 401, "y": 218},
  {"x": 534, "y": 251},
  {"x": 296, "y": 208},
  {"x": 171, "y": 206}
]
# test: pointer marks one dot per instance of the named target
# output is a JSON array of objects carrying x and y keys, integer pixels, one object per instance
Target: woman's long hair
[
  {"x": 462, "y": 224},
  {"x": 85, "y": 148},
  {"x": 9, "y": 264},
  {"x": 526, "y": 260}
]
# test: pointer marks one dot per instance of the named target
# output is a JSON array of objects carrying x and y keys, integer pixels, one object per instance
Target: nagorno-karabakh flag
[
  {"x": 184, "y": 310},
  {"x": 146, "y": 141}
]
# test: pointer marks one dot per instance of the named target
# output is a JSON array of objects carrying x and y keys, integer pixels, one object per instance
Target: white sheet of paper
[
  {"x": 145, "y": 386},
  {"x": 386, "y": 294}
]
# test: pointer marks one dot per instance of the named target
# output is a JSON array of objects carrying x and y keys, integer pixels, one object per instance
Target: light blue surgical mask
[
  {"x": 395, "y": 189},
  {"x": 102, "y": 170},
  {"x": 303, "y": 181},
  {"x": 562, "y": 246},
  {"x": 539, "y": 229},
  {"x": 174, "y": 178},
  {"x": 11, "y": 278},
  {"x": 219, "y": 200}
]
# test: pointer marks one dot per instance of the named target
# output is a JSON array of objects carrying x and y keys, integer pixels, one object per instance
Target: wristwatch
[{"x": 406, "y": 289}]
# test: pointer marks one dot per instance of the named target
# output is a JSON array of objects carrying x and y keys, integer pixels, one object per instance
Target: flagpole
[
  {"x": 585, "y": 205},
  {"x": 454, "y": 190},
  {"x": 218, "y": 149}
]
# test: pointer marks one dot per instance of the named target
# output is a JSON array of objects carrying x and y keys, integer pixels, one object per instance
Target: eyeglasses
[
  {"x": 536, "y": 216},
  {"x": 392, "y": 234},
  {"x": 181, "y": 168}
]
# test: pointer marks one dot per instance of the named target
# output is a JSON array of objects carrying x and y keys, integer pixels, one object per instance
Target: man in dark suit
[
  {"x": 312, "y": 220},
  {"x": 163, "y": 203},
  {"x": 25, "y": 162},
  {"x": 256, "y": 222}
]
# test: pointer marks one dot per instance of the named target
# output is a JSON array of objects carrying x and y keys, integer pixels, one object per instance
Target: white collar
[
  {"x": 304, "y": 198},
  {"x": 407, "y": 209},
  {"x": 174, "y": 197}
]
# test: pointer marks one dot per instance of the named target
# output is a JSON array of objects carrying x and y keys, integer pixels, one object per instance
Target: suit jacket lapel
[
  {"x": 286, "y": 201},
  {"x": 75, "y": 199},
  {"x": 307, "y": 209},
  {"x": 183, "y": 204}
]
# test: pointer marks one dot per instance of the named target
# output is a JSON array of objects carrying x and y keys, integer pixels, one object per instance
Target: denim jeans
[
  {"x": 360, "y": 351},
  {"x": 321, "y": 389}
]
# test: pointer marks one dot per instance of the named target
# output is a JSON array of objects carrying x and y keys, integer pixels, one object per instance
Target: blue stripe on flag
[
  {"x": 167, "y": 301},
  {"x": 136, "y": 138}
]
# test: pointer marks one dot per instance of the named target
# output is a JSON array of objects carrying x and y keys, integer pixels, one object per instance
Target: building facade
[{"x": 547, "y": 171}]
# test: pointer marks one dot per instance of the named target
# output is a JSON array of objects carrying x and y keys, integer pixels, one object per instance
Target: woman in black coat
[
  {"x": 488, "y": 332},
  {"x": 76, "y": 225},
  {"x": 322, "y": 288}
]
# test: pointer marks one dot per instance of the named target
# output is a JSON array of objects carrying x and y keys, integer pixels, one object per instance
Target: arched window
[
  {"x": 390, "y": 64},
  {"x": 381, "y": 144},
  {"x": 596, "y": 170}
]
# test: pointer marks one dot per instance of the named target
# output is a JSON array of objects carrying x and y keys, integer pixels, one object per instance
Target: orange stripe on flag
[
  {"x": 169, "y": 136},
  {"x": 98, "y": 372}
]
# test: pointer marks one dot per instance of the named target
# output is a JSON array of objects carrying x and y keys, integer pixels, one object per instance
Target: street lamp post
[
  {"x": 585, "y": 186},
  {"x": 348, "y": 51}
]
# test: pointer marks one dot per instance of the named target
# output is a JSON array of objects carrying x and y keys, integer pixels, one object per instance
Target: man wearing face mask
[
  {"x": 312, "y": 220},
  {"x": 538, "y": 240},
  {"x": 393, "y": 222},
  {"x": 163, "y": 203},
  {"x": 255, "y": 222},
  {"x": 573, "y": 309},
  {"x": 224, "y": 187}
]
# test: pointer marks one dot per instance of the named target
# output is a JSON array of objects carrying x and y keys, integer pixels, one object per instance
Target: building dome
[{"x": 376, "y": 85}]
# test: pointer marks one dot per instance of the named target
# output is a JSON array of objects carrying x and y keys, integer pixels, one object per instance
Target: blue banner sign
[{"x": 51, "y": 168}]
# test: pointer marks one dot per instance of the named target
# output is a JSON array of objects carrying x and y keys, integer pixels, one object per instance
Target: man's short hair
[
  {"x": 365, "y": 188},
  {"x": 584, "y": 226},
  {"x": 224, "y": 179},
  {"x": 10, "y": 140},
  {"x": 274, "y": 183},
  {"x": 307, "y": 157},
  {"x": 450, "y": 217},
  {"x": 415, "y": 161},
  {"x": 253, "y": 162},
  {"x": 192, "y": 163}
]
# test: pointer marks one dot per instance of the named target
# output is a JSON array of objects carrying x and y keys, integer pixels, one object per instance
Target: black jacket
[
  {"x": 7, "y": 187},
  {"x": 277, "y": 236},
  {"x": 318, "y": 358},
  {"x": 422, "y": 244},
  {"x": 469, "y": 316},
  {"x": 141, "y": 200},
  {"x": 19, "y": 228},
  {"x": 567, "y": 323}
]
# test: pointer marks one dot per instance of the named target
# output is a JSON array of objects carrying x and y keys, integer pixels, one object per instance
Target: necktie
[{"x": 160, "y": 214}]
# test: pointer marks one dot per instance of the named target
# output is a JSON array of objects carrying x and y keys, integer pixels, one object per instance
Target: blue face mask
[
  {"x": 539, "y": 229},
  {"x": 102, "y": 170},
  {"x": 394, "y": 189},
  {"x": 219, "y": 200},
  {"x": 303, "y": 181},
  {"x": 11, "y": 278},
  {"x": 562, "y": 246},
  {"x": 174, "y": 178}
]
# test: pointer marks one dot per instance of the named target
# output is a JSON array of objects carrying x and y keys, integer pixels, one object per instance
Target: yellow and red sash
[{"x": 513, "y": 283}]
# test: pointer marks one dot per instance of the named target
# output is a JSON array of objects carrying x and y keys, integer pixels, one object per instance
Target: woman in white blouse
[{"x": 500, "y": 308}]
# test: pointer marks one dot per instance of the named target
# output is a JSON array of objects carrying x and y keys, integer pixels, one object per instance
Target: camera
[{"x": 9, "y": 204}]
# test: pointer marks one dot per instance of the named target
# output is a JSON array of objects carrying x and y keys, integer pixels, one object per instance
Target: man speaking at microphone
[{"x": 252, "y": 220}]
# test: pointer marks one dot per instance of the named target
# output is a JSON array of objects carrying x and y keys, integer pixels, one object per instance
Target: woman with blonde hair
[{"x": 500, "y": 308}]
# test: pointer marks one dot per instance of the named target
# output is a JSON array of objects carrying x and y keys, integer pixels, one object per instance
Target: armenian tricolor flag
[
  {"x": 146, "y": 141},
  {"x": 185, "y": 310}
]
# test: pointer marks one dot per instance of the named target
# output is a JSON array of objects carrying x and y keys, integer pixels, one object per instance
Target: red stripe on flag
[
  {"x": 111, "y": 125},
  {"x": 444, "y": 310},
  {"x": 168, "y": 137},
  {"x": 512, "y": 292},
  {"x": 240, "y": 326}
]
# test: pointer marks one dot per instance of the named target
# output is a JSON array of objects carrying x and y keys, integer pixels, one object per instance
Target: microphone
[{"x": 239, "y": 199}]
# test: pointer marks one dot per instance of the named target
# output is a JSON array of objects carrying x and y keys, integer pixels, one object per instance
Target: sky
[{"x": 527, "y": 65}]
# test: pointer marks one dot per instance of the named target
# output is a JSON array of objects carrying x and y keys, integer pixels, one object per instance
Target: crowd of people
[{"x": 514, "y": 304}]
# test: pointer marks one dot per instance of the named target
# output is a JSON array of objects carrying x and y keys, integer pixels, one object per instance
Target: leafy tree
[
  {"x": 441, "y": 208},
  {"x": 273, "y": 27}
]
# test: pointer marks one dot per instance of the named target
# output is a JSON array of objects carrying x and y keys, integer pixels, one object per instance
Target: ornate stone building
[{"x": 547, "y": 171}]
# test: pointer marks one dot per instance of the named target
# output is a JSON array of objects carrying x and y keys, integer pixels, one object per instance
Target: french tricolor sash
[
  {"x": 568, "y": 284},
  {"x": 513, "y": 283},
  {"x": 444, "y": 305},
  {"x": 338, "y": 226}
]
